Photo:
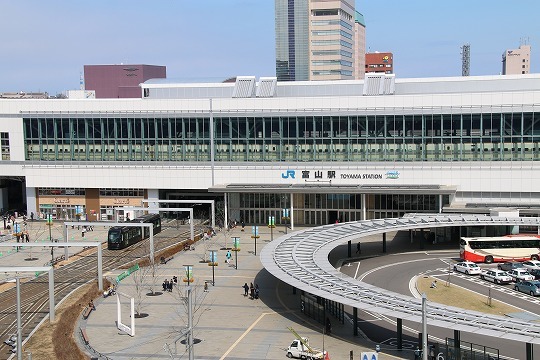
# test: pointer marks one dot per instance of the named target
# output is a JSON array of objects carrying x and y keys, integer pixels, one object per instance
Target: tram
[{"x": 120, "y": 237}]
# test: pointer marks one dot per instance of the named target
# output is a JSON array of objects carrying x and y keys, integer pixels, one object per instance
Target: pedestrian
[
  {"x": 32, "y": 216},
  {"x": 27, "y": 238},
  {"x": 358, "y": 251},
  {"x": 246, "y": 289},
  {"x": 169, "y": 286},
  {"x": 205, "y": 286},
  {"x": 256, "y": 291},
  {"x": 328, "y": 326},
  {"x": 228, "y": 256},
  {"x": 243, "y": 225},
  {"x": 83, "y": 231},
  {"x": 175, "y": 279},
  {"x": 165, "y": 285},
  {"x": 251, "y": 291},
  {"x": 433, "y": 284},
  {"x": 91, "y": 305}
]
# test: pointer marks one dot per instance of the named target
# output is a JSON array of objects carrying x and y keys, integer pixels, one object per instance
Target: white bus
[{"x": 499, "y": 249}]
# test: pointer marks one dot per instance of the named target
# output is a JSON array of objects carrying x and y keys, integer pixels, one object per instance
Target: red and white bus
[{"x": 499, "y": 249}]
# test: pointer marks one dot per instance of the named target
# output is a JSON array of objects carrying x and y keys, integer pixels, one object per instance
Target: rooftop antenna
[{"x": 465, "y": 59}]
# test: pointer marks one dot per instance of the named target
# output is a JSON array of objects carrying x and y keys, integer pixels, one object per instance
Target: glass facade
[{"x": 488, "y": 136}]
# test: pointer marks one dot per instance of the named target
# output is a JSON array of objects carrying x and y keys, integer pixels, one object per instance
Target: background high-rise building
[
  {"x": 315, "y": 40},
  {"x": 380, "y": 62},
  {"x": 517, "y": 61},
  {"x": 120, "y": 81},
  {"x": 359, "y": 46}
]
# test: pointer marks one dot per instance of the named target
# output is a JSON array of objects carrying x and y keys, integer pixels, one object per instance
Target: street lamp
[
  {"x": 49, "y": 224},
  {"x": 188, "y": 280},
  {"x": 285, "y": 217},
  {"x": 271, "y": 225},
  {"x": 255, "y": 232},
  {"x": 236, "y": 249},
  {"x": 213, "y": 263}
]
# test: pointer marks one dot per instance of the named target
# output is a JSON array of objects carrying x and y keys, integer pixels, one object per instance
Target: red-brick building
[
  {"x": 380, "y": 62},
  {"x": 120, "y": 81}
]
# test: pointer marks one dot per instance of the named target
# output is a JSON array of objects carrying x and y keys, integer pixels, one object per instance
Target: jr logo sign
[{"x": 288, "y": 174}]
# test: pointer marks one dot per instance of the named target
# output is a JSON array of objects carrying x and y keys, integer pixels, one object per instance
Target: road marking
[
  {"x": 357, "y": 268},
  {"x": 389, "y": 265},
  {"x": 231, "y": 348}
]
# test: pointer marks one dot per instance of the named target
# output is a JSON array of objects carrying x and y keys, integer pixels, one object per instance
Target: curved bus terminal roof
[{"x": 301, "y": 260}]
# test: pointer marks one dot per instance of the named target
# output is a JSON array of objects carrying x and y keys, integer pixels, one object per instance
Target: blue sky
[{"x": 46, "y": 43}]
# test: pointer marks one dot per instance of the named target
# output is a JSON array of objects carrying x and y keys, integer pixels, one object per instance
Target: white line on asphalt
[
  {"x": 357, "y": 268},
  {"x": 245, "y": 333},
  {"x": 389, "y": 265}
]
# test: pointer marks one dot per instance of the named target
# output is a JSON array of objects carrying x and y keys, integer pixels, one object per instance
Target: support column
[
  {"x": 349, "y": 250},
  {"x": 31, "y": 202},
  {"x": 292, "y": 213},
  {"x": 364, "y": 207},
  {"x": 529, "y": 351},
  {"x": 457, "y": 344},
  {"x": 100, "y": 266},
  {"x": 51, "y": 295},
  {"x": 355, "y": 321},
  {"x": 440, "y": 203},
  {"x": 213, "y": 209},
  {"x": 153, "y": 195},
  {"x": 384, "y": 242},
  {"x": 399, "y": 334},
  {"x": 411, "y": 235},
  {"x": 66, "y": 252},
  {"x": 225, "y": 211}
]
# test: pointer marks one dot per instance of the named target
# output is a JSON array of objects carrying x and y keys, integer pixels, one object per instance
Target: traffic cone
[{"x": 326, "y": 355}]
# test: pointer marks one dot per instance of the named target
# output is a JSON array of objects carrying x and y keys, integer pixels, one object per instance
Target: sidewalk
[{"x": 228, "y": 325}]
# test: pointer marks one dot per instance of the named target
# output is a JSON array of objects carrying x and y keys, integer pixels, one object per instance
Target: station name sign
[{"x": 332, "y": 174}]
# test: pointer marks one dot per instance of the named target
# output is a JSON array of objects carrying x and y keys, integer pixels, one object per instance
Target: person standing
[
  {"x": 256, "y": 291},
  {"x": 358, "y": 251},
  {"x": 328, "y": 326},
  {"x": 246, "y": 289},
  {"x": 251, "y": 291},
  {"x": 228, "y": 256}
]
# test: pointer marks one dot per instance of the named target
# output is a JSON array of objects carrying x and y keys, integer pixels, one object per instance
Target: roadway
[{"x": 396, "y": 272}]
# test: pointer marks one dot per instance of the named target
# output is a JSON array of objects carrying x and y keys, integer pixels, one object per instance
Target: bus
[
  {"x": 120, "y": 237},
  {"x": 499, "y": 249}
]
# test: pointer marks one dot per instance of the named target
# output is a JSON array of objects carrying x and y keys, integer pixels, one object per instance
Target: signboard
[
  {"x": 126, "y": 273},
  {"x": 236, "y": 242},
  {"x": 369, "y": 356}
]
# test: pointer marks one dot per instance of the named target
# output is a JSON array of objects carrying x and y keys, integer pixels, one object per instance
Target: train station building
[{"x": 326, "y": 151}]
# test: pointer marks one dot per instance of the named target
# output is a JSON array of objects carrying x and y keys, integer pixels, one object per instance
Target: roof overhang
[{"x": 329, "y": 188}]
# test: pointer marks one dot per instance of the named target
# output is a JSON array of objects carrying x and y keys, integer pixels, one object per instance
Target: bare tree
[
  {"x": 199, "y": 307},
  {"x": 145, "y": 279}
]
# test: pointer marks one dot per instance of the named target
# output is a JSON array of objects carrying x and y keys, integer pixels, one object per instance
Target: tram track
[{"x": 35, "y": 292}]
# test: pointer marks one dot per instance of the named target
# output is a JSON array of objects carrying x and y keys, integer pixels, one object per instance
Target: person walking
[
  {"x": 228, "y": 256},
  {"x": 358, "y": 251},
  {"x": 246, "y": 289},
  {"x": 328, "y": 326},
  {"x": 256, "y": 291},
  {"x": 251, "y": 291}
]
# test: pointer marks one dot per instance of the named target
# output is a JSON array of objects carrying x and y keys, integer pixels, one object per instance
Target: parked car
[
  {"x": 531, "y": 264},
  {"x": 467, "y": 267},
  {"x": 520, "y": 275},
  {"x": 529, "y": 287},
  {"x": 535, "y": 273},
  {"x": 509, "y": 265},
  {"x": 496, "y": 276}
]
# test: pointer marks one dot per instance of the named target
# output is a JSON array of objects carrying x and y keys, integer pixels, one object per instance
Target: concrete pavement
[{"x": 228, "y": 325}]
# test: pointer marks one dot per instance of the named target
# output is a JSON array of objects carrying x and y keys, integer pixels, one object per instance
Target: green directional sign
[{"x": 126, "y": 273}]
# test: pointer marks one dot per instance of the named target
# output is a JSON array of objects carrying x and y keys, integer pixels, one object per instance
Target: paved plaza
[{"x": 228, "y": 325}]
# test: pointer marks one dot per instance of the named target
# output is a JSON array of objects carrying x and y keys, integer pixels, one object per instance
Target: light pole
[
  {"x": 236, "y": 249},
  {"x": 271, "y": 225},
  {"x": 255, "y": 232},
  {"x": 285, "y": 217},
  {"x": 49, "y": 224},
  {"x": 188, "y": 280},
  {"x": 213, "y": 263}
]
